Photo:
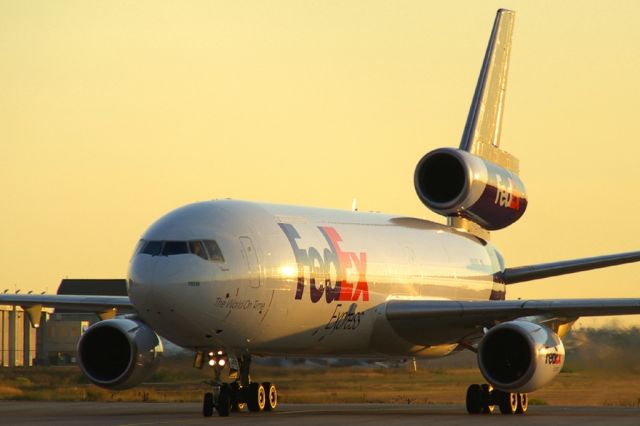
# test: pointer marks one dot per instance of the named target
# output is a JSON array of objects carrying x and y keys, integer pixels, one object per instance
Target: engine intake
[
  {"x": 520, "y": 356},
  {"x": 452, "y": 182},
  {"x": 119, "y": 353}
]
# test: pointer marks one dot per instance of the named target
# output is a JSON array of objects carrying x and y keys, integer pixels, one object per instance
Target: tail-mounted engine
[
  {"x": 455, "y": 183},
  {"x": 119, "y": 353},
  {"x": 520, "y": 356}
]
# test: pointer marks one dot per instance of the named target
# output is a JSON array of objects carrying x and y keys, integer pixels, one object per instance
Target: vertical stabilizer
[
  {"x": 477, "y": 186},
  {"x": 481, "y": 135}
]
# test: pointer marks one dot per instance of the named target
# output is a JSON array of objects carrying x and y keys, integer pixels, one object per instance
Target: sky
[{"x": 113, "y": 113}]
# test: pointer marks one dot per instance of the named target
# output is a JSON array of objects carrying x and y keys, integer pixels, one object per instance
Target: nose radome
[{"x": 152, "y": 279}]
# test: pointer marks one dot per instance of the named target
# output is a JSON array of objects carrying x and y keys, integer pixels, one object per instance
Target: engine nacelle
[
  {"x": 520, "y": 356},
  {"x": 452, "y": 182},
  {"x": 119, "y": 353}
]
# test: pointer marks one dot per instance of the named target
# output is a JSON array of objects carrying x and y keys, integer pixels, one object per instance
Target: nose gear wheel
[{"x": 233, "y": 397}]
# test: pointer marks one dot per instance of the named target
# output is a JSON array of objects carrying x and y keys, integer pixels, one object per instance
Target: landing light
[
  {"x": 221, "y": 363},
  {"x": 212, "y": 362}
]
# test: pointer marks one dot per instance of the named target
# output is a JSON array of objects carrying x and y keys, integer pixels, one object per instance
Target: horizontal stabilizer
[{"x": 552, "y": 269}]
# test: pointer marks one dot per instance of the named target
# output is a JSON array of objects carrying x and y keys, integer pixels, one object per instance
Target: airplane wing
[
  {"x": 488, "y": 313},
  {"x": 545, "y": 270},
  {"x": 103, "y": 306},
  {"x": 469, "y": 318}
]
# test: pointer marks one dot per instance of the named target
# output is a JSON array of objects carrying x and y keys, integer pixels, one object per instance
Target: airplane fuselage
[{"x": 302, "y": 281}]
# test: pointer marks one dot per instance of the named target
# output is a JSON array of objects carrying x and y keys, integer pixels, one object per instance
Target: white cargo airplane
[{"x": 234, "y": 279}]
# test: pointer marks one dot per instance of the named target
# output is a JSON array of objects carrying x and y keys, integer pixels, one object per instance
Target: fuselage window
[
  {"x": 154, "y": 248},
  {"x": 174, "y": 247},
  {"x": 197, "y": 248},
  {"x": 214, "y": 251}
]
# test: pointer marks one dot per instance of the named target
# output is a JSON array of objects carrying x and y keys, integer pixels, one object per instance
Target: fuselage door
[{"x": 253, "y": 266}]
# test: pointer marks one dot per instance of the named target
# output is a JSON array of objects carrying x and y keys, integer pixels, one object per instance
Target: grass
[{"x": 177, "y": 381}]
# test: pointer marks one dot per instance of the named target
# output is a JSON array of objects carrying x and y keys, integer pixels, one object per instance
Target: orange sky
[{"x": 113, "y": 113}]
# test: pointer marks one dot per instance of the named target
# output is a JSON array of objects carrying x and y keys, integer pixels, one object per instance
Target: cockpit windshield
[
  {"x": 154, "y": 248},
  {"x": 174, "y": 247},
  {"x": 205, "y": 249}
]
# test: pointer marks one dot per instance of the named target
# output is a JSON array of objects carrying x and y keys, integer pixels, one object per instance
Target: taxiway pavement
[{"x": 149, "y": 413}]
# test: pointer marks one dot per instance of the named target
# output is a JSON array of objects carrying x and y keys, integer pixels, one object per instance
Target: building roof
[{"x": 94, "y": 287}]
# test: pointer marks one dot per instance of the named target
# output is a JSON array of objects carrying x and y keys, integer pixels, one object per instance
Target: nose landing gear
[{"x": 233, "y": 397}]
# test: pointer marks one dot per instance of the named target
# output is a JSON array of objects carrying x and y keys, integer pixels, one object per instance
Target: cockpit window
[
  {"x": 207, "y": 249},
  {"x": 154, "y": 248},
  {"x": 174, "y": 247},
  {"x": 197, "y": 248},
  {"x": 214, "y": 251}
]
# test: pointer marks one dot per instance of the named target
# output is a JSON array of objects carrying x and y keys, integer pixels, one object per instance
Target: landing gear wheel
[
  {"x": 236, "y": 405},
  {"x": 508, "y": 402},
  {"x": 487, "y": 390},
  {"x": 474, "y": 399},
  {"x": 256, "y": 398},
  {"x": 272, "y": 396},
  {"x": 207, "y": 405},
  {"x": 224, "y": 401},
  {"x": 523, "y": 403}
]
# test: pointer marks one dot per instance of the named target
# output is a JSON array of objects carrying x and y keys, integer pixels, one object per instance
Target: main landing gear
[
  {"x": 482, "y": 399},
  {"x": 233, "y": 397}
]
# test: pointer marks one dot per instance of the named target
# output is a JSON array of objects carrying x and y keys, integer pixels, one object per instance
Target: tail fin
[
  {"x": 481, "y": 135},
  {"x": 477, "y": 186},
  {"x": 482, "y": 130}
]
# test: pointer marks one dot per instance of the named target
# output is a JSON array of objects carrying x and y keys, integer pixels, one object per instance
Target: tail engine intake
[{"x": 455, "y": 183}]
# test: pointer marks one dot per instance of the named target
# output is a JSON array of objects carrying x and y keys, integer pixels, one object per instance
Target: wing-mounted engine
[
  {"x": 520, "y": 356},
  {"x": 119, "y": 353},
  {"x": 455, "y": 183}
]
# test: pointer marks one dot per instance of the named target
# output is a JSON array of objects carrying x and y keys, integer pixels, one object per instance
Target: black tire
[
  {"x": 236, "y": 405},
  {"x": 272, "y": 396},
  {"x": 224, "y": 401},
  {"x": 207, "y": 405},
  {"x": 523, "y": 403},
  {"x": 474, "y": 399},
  {"x": 487, "y": 406},
  {"x": 256, "y": 398},
  {"x": 508, "y": 402}
]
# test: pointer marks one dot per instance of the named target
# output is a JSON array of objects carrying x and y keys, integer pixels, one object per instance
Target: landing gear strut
[
  {"x": 482, "y": 399},
  {"x": 233, "y": 397}
]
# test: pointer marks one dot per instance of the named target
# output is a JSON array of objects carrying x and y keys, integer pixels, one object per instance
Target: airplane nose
[
  {"x": 142, "y": 276},
  {"x": 158, "y": 283},
  {"x": 150, "y": 273}
]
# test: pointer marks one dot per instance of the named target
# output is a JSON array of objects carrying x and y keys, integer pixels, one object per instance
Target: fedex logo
[
  {"x": 327, "y": 270},
  {"x": 504, "y": 194},
  {"x": 553, "y": 359}
]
